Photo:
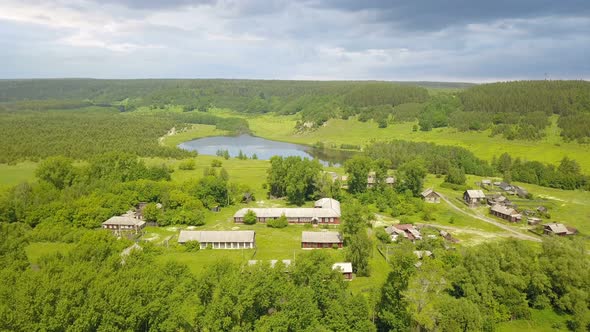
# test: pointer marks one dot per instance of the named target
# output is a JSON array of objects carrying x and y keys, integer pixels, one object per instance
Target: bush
[
  {"x": 187, "y": 165},
  {"x": 280, "y": 222},
  {"x": 382, "y": 235},
  {"x": 216, "y": 163},
  {"x": 250, "y": 218},
  {"x": 335, "y": 246},
  {"x": 192, "y": 246}
]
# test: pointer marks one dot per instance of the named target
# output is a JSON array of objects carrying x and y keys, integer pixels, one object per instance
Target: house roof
[
  {"x": 328, "y": 203},
  {"x": 504, "y": 210},
  {"x": 475, "y": 193},
  {"x": 321, "y": 237},
  {"x": 324, "y": 208},
  {"x": 345, "y": 267},
  {"x": 422, "y": 253},
  {"x": 428, "y": 192},
  {"x": 486, "y": 181},
  {"x": 557, "y": 228},
  {"x": 216, "y": 236},
  {"x": 124, "y": 221}
]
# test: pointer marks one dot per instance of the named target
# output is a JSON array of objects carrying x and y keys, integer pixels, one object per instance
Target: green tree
[
  {"x": 358, "y": 168},
  {"x": 358, "y": 252},
  {"x": 250, "y": 218},
  {"x": 58, "y": 171},
  {"x": 455, "y": 176},
  {"x": 411, "y": 177},
  {"x": 280, "y": 222}
]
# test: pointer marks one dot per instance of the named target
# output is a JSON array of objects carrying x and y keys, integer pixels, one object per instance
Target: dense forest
[{"x": 515, "y": 110}]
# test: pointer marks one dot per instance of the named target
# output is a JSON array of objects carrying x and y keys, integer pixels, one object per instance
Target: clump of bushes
[
  {"x": 250, "y": 218},
  {"x": 192, "y": 246},
  {"x": 187, "y": 165},
  {"x": 280, "y": 222}
]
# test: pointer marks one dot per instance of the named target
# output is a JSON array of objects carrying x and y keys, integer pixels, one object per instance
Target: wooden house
[
  {"x": 406, "y": 231},
  {"x": 474, "y": 197},
  {"x": 124, "y": 224},
  {"x": 325, "y": 211},
  {"x": 317, "y": 240},
  {"x": 505, "y": 213},
  {"x": 533, "y": 220},
  {"x": 430, "y": 196},
  {"x": 345, "y": 268},
  {"x": 558, "y": 229},
  {"x": 220, "y": 239}
]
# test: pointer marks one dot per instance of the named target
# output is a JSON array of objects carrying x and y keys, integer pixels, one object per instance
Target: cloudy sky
[{"x": 450, "y": 40}]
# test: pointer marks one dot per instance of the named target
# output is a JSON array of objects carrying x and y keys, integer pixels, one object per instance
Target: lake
[{"x": 263, "y": 148}]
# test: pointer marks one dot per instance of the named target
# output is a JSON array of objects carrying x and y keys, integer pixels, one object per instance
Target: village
[{"x": 317, "y": 226}]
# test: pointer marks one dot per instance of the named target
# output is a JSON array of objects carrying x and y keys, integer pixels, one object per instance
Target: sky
[{"x": 418, "y": 40}]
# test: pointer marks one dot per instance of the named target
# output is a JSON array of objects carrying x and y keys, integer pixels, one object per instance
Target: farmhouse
[
  {"x": 430, "y": 196},
  {"x": 128, "y": 224},
  {"x": 325, "y": 211},
  {"x": 220, "y": 239},
  {"x": 498, "y": 199},
  {"x": 558, "y": 229},
  {"x": 311, "y": 240},
  {"x": 407, "y": 231},
  {"x": 474, "y": 197},
  {"x": 505, "y": 213},
  {"x": 345, "y": 268}
]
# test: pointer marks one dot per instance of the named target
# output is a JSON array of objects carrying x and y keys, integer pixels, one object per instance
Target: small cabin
[
  {"x": 430, "y": 196},
  {"x": 474, "y": 197},
  {"x": 345, "y": 268}
]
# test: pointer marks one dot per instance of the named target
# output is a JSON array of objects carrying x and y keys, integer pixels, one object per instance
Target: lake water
[{"x": 263, "y": 148}]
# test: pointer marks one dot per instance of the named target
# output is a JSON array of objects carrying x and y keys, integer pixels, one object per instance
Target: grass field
[
  {"x": 17, "y": 173},
  {"x": 541, "y": 321},
  {"x": 550, "y": 150},
  {"x": 194, "y": 132},
  {"x": 36, "y": 250}
]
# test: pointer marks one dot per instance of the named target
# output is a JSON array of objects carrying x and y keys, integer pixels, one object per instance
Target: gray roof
[
  {"x": 124, "y": 221},
  {"x": 557, "y": 228},
  {"x": 324, "y": 208},
  {"x": 504, "y": 210},
  {"x": 345, "y": 267},
  {"x": 321, "y": 237},
  {"x": 216, "y": 236},
  {"x": 476, "y": 194},
  {"x": 429, "y": 191},
  {"x": 328, "y": 203}
]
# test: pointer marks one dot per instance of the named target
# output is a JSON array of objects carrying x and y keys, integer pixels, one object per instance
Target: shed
[
  {"x": 558, "y": 229},
  {"x": 311, "y": 240},
  {"x": 345, "y": 268},
  {"x": 505, "y": 213},
  {"x": 430, "y": 196}
]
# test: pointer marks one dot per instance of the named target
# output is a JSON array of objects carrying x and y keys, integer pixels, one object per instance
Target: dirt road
[{"x": 481, "y": 217}]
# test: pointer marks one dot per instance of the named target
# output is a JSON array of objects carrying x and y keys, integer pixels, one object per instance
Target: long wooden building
[
  {"x": 313, "y": 240},
  {"x": 325, "y": 211},
  {"x": 220, "y": 239}
]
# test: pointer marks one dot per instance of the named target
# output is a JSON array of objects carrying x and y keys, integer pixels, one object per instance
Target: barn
[
  {"x": 325, "y": 211},
  {"x": 312, "y": 240},
  {"x": 220, "y": 239}
]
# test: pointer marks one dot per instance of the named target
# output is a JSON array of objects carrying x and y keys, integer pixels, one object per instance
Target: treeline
[
  {"x": 317, "y": 101},
  {"x": 476, "y": 288},
  {"x": 439, "y": 159},
  {"x": 109, "y": 185},
  {"x": 83, "y": 133},
  {"x": 566, "y": 175},
  {"x": 94, "y": 287}
]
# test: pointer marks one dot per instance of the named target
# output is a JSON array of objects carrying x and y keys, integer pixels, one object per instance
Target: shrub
[
  {"x": 192, "y": 246},
  {"x": 187, "y": 165},
  {"x": 250, "y": 218},
  {"x": 335, "y": 246},
  {"x": 280, "y": 222},
  {"x": 382, "y": 235},
  {"x": 216, "y": 163}
]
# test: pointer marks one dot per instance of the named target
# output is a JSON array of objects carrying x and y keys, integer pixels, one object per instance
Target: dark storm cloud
[{"x": 424, "y": 15}]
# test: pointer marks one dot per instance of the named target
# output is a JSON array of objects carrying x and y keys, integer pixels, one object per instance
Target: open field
[
  {"x": 541, "y": 321},
  {"x": 15, "y": 174},
  {"x": 36, "y": 250},
  {"x": 549, "y": 150},
  {"x": 194, "y": 132}
]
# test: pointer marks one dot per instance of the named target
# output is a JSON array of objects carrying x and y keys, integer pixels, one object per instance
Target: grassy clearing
[
  {"x": 17, "y": 173},
  {"x": 541, "y": 321},
  {"x": 550, "y": 150},
  {"x": 194, "y": 132},
  {"x": 36, "y": 250}
]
